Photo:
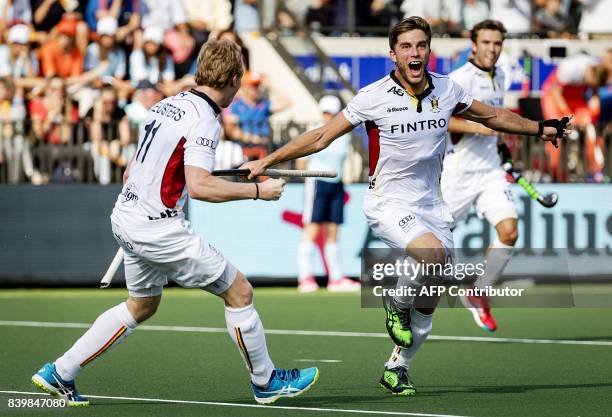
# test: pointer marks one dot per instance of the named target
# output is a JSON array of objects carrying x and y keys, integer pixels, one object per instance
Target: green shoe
[
  {"x": 398, "y": 325},
  {"x": 397, "y": 381}
]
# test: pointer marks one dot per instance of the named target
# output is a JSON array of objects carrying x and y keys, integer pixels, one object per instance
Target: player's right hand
[
  {"x": 256, "y": 167},
  {"x": 271, "y": 189}
]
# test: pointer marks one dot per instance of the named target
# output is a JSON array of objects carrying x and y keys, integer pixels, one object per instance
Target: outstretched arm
[
  {"x": 307, "y": 143},
  {"x": 504, "y": 120}
]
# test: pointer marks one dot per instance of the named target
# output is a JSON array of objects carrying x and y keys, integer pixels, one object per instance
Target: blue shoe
[
  {"x": 48, "y": 380},
  {"x": 286, "y": 383}
]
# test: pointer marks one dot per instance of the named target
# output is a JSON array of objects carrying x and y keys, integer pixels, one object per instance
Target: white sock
[
  {"x": 332, "y": 256},
  {"x": 109, "y": 329},
  {"x": 498, "y": 257},
  {"x": 305, "y": 250},
  {"x": 421, "y": 327},
  {"x": 246, "y": 329}
]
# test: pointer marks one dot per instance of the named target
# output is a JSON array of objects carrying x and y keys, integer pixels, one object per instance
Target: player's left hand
[
  {"x": 256, "y": 167},
  {"x": 553, "y": 129}
]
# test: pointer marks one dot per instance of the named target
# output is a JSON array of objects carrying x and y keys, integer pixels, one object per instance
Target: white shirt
[
  {"x": 515, "y": 14},
  {"x": 407, "y": 135},
  {"x": 471, "y": 151},
  {"x": 162, "y": 13},
  {"x": 571, "y": 69},
  {"x": 179, "y": 130}
]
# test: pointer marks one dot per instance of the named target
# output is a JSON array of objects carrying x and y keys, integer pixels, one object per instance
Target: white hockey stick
[{"x": 112, "y": 269}]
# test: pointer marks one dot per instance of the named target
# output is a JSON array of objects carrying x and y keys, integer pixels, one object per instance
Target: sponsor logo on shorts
[
  {"x": 206, "y": 142},
  {"x": 407, "y": 222},
  {"x": 129, "y": 196}
]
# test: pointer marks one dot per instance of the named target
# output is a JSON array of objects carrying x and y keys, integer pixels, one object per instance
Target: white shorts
[
  {"x": 490, "y": 193},
  {"x": 398, "y": 223},
  {"x": 171, "y": 250}
]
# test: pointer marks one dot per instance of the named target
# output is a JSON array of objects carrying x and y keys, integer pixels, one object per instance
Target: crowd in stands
[
  {"x": 543, "y": 18},
  {"x": 77, "y": 77}
]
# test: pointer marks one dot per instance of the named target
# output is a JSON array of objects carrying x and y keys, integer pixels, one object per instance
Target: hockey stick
[
  {"x": 546, "y": 200},
  {"x": 275, "y": 173},
  {"x": 112, "y": 269}
]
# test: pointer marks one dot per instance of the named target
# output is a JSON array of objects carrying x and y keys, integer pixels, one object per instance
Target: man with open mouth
[{"x": 406, "y": 115}]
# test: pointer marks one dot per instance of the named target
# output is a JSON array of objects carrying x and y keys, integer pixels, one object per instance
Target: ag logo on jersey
[
  {"x": 129, "y": 196},
  {"x": 435, "y": 104},
  {"x": 396, "y": 91},
  {"x": 206, "y": 142}
]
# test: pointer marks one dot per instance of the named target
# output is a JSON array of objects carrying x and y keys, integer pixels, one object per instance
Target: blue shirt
[
  {"x": 253, "y": 119},
  {"x": 331, "y": 158},
  {"x": 116, "y": 58}
]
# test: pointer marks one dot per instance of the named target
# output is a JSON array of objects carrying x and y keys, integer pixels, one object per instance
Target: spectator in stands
[
  {"x": 248, "y": 119},
  {"x": 50, "y": 13},
  {"x": 105, "y": 58},
  {"x": 109, "y": 133},
  {"x": 125, "y": 12},
  {"x": 516, "y": 14},
  {"x": 15, "y": 152},
  {"x": 53, "y": 117},
  {"x": 550, "y": 20},
  {"x": 169, "y": 16},
  {"x": 564, "y": 92},
  {"x": 206, "y": 19},
  {"x": 246, "y": 16},
  {"x": 320, "y": 15},
  {"x": 595, "y": 17},
  {"x": 61, "y": 57},
  {"x": 16, "y": 58},
  {"x": 152, "y": 62},
  {"x": 14, "y": 12},
  {"x": 145, "y": 96},
  {"x": 472, "y": 12}
]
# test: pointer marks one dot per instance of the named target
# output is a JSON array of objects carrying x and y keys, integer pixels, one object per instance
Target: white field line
[
  {"x": 271, "y": 407},
  {"x": 319, "y": 360},
  {"x": 193, "y": 329}
]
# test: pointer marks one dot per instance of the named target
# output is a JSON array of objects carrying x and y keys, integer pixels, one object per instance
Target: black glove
[{"x": 560, "y": 125}]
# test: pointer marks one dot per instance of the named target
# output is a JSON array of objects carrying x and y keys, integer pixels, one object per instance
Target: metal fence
[{"x": 25, "y": 159}]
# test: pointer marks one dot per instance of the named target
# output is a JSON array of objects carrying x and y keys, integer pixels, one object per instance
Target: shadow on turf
[{"x": 505, "y": 389}]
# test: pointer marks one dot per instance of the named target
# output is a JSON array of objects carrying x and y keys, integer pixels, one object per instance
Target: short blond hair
[{"x": 218, "y": 63}]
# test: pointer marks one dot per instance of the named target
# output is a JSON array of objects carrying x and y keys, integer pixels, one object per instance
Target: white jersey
[
  {"x": 178, "y": 131},
  {"x": 407, "y": 135},
  {"x": 472, "y": 152}
]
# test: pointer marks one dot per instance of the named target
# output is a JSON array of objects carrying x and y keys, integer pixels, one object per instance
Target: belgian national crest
[{"x": 435, "y": 108}]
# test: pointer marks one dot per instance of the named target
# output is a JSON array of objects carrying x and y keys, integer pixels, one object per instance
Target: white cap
[
  {"x": 153, "y": 34},
  {"x": 330, "y": 104},
  {"x": 19, "y": 34},
  {"x": 107, "y": 26}
]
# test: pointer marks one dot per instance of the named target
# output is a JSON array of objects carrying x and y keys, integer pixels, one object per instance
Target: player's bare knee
[
  {"x": 508, "y": 236},
  {"x": 240, "y": 294},
  {"x": 142, "y": 308}
]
